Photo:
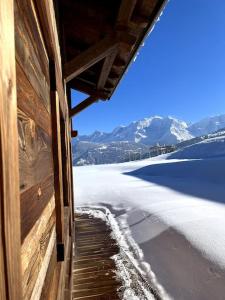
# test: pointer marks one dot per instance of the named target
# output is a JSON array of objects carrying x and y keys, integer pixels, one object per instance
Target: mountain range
[
  {"x": 157, "y": 130},
  {"x": 134, "y": 140}
]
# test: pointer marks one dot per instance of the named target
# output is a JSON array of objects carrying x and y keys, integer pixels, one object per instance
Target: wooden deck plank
[{"x": 93, "y": 268}]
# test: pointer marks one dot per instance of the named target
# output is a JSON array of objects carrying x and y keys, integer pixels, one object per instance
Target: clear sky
[{"x": 180, "y": 71}]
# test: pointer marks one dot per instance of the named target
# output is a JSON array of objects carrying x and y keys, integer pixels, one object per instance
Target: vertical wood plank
[
  {"x": 47, "y": 18},
  {"x": 2, "y": 262},
  {"x": 10, "y": 277}
]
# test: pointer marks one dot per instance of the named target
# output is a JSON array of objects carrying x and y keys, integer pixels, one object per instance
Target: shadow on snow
[{"x": 199, "y": 178}]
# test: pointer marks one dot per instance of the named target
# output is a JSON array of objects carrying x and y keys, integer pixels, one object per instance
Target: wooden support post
[
  {"x": 71, "y": 174},
  {"x": 81, "y": 106},
  {"x": 64, "y": 161},
  {"x": 10, "y": 244},
  {"x": 57, "y": 160},
  {"x": 58, "y": 181},
  {"x": 68, "y": 94},
  {"x": 89, "y": 57}
]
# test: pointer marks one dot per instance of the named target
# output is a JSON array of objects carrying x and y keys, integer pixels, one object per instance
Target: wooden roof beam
[
  {"x": 139, "y": 21},
  {"x": 145, "y": 7},
  {"x": 82, "y": 105},
  {"x": 89, "y": 57},
  {"x": 125, "y": 13},
  {"x": 106, "y": 68},
  {"x": 120, "y": 62},
  {"x": 81, "y": 86},
  {"x": 110, "y": 84}
]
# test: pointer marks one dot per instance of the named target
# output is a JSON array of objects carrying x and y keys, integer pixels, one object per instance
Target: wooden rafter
[
  {"x": 79, "y": 85},
  {"x": 106, "y": 68},
  {"x": 81, "y": 106},
  {"x": 89, "y": 57},
  {"x": 125, "y": 12}
]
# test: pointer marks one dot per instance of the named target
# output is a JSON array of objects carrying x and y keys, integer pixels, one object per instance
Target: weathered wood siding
[
  {"x": 44, "y": 157},
  {"x": 10, "y": 273}
]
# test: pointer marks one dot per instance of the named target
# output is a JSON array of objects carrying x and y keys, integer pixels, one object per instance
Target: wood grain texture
[
  {"x": 68, "y": 254},
  {"x": 33, "y": 202},
  {"x": 53, "y": 291},
  {"x": 35, "y": 152},
  {"x": 9, "y": 161},
  {"x": 48, "y": 286},
  {"x": 47, "y": 18},
  {"x": 32, "y": 241},
  {"x": 29, "y": 102},
  {"x": 36, "y": 293},
  {"x": 32, "y": 25},
  {"x": 64, "y": 265},
  {"x": 3, "y": 277},
  {"x": 29, "y": 61},
  {"x": 34, "y": 248}
]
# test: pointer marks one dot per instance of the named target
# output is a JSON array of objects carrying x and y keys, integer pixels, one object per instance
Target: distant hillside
[
  {"x": 208, "y": 146},
  {"x": 218, "y": 133},
  {"x": 86, "y": 153}
]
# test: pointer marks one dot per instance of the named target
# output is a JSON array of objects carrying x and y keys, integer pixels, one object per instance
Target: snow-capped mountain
[
  {"x": 149, "y": 131},
  {"x": 207, "y": 125},
  {"x": 157, "y": 130},
  {"x": 135, "y": 141}
]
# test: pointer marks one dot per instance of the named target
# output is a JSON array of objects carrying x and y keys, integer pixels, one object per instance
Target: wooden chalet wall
[
  {"x": 36, "y": 244},
  {"x": 36, "y": 191},
  {"x": 10, "y": 272}
]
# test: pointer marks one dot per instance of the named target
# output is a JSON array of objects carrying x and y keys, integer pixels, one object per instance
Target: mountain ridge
[{"x": 157, "y": 130}]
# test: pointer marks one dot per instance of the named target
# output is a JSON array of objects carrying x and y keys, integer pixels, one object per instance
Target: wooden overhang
[{"x": 99, "y": 39}]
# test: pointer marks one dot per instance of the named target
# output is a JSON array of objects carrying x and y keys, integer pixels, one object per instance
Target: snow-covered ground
[{"x": 175, "y": 208}]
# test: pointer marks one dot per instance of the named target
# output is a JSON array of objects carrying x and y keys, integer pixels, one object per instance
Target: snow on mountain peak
[
  {"x": 157, "y": 130},
  {"x": 208, "y": 125}
]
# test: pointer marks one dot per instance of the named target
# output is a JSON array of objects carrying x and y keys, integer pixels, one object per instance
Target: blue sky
[{"x": 179, "y": 72}]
